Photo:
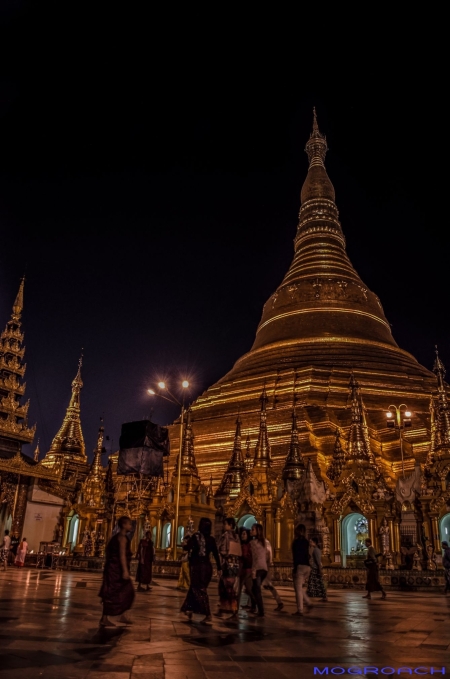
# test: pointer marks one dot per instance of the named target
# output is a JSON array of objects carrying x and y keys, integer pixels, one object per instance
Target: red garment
[{"x": 246, "y": 557}]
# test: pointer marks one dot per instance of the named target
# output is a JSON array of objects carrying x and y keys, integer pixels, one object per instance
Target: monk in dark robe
[
  {"x": 145, "y": 555},
  {"x": 117, "y": 591}
]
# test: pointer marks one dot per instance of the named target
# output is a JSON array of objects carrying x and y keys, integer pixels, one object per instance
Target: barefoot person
[
  {"x": 117, "y": 591},
  {"x": 145, "y": 555},
  {"x": 373, "y": 583},
  {"x": 200, "y": 546}
]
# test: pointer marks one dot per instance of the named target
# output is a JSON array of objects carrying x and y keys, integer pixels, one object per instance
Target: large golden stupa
[{"x": 319, "y": 327}]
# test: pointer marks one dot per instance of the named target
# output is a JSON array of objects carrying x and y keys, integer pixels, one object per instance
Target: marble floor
[{"x": 49, "y": 629}]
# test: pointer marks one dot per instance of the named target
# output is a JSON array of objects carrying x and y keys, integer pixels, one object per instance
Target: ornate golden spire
[
  {"x": 94, "y": 484},
  {"x": 13, "y": 415},
  {"x": 294, "y": 466},
  {"x": 316, "y": 146},
  {"x": 262, "y": 457},
  {"x": 69, "y": 441},
  {"x": 18, "y": 304},
  {"x": 37, "y": 452},
  {"x": 188, "y": 465},
  {"x": 357, "y": 448},
  {"x": 443, "y": 410},
  {"x": 322, "y": 298},
  {"x": 235, "y": 474},
  {"x": 337, "y": 461}
]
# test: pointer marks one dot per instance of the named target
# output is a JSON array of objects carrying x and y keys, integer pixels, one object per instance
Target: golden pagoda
[
  {"x": 320, "y": 326},
  {"x": 68, "y": 446},
  {"x": 14, "y": 429}
]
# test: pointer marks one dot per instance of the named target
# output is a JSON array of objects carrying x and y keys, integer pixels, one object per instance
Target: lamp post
[
  {"x": 399, "y": 418},
  {"x": 172, "y": 399}
]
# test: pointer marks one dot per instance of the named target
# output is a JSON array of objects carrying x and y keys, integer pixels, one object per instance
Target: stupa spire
[
  {"x": 13, "y": 415},
  {"x": 69, "y": 441},
  {"x": 18, "y": 304},
  {"x": 443, "y": 409},
  {"x": 316, "y": 146},
  {"x": 262, "y": 457},
  {"x": 188, "y": 465},
  {"x": 357, "y": 448},
  {"x": 93, "y": 486},
  {"x": 235, "y": 474},
  {"x": 338, "y": 459},
  {"x": 37, "y": 452},
  {"x": 321, "y": 297},
  {"x": 294, "y": 465}
]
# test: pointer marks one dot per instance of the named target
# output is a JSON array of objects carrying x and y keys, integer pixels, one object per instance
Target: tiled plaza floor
[{"x": 49, "y": 628}]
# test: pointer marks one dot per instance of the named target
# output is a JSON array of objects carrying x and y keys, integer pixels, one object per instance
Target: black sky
[{"x": 150, "y": 171}]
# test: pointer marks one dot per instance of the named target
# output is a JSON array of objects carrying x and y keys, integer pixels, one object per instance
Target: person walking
[
  {"x": 245, "y": 575},
  {"x": 200, "y": 546},
  {"x": 117, "y": 591},
  {"x": 21, "y": 553},
  {"x": 373, "y": 583},
  {"x": 260, "y": 564},
  {"x": 184, "y": 579},
  {"x": 302, "y": 569},
  {"x": 4, "y": 550},
  {"x": 316, "y": 584},
  {"x": 268, "y": 581},
  {"x": 13, "y": 548},
  {"x": 230, "y": 558},
  {"x": 446, "y": 565},
  {"x": 145, "y": 555}
]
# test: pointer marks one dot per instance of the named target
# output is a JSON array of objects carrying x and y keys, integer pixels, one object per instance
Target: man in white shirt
[
  {"x": 267, "y": 584},
  {"x": 4, "y": 551}
]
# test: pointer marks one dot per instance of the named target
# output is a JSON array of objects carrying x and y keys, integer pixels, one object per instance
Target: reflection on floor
[{"x": 49, "y": 629}]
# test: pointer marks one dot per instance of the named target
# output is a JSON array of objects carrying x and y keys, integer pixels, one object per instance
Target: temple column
[
  {"x": 373, "y": 533},
  {"x": 337, "y": 540},
  {"x": 435, "y": 533},
  {"x": 20, "y": 505},
  {"x": 277, "y": 535},
  {"x": 67, "y": 521},
  {"x": 158, "y": 533},
  {"x": 392, "y": 546}
]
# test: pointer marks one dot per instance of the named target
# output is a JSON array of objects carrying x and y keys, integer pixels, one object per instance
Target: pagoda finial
[
  {"x": 315, "y": 125},
  {"x": 235, "y": 474},
  {"x": 439, "y": 369},
  {"x": 316, "y": 146},
  {"x": 336, "y": 465},
  {"x": 69, "y": 440},
  {"x": 443, "y": 408},
  {"x": 188, "y": 465},
  {"x": 357, "y": 446},
  {"x": 294, "y": 465},
  {"x": 18, "y": 303},
  {"x": 262, "y": 452},
  {"x": 37, "y": 452}
]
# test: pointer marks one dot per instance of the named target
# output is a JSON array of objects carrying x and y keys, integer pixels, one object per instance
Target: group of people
[
  {"x": 13, "y": 551},
  {"x": 243, "y": 563}
]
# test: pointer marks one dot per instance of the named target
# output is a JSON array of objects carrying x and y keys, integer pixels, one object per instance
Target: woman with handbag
[
  {"x": 230, "y": 556},
  {"x": 316, "y": 584},
  {"x": 373, "y": 583}
]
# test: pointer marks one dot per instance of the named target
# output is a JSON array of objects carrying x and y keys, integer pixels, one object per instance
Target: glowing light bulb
[
  {"x": 408, "y": 413},
  {"x": 150, "y": 391},
  {"x": 389, "y": 415},
  {"x": 162, "y": 385},
  {"x": 185, "y": 384}
]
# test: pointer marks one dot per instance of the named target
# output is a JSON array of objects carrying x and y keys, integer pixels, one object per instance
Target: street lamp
[
  {"x": 399, "y": 418},
  {"x": 173, "y": 399}
]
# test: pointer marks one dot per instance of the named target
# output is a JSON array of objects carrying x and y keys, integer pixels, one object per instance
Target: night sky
[{"x": 150, "y": 173}]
